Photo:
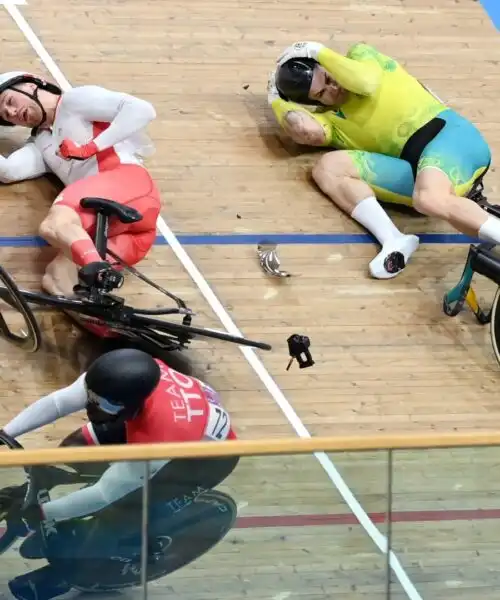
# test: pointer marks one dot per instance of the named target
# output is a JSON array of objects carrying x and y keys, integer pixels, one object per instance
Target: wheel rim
[{"x": 495, "y": 326}]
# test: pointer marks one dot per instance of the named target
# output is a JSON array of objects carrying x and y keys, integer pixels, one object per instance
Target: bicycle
[
  {"x": 91, "y": 556},
  {"x": 132, "y": 324},
  {"x": 483, "y": 260}
]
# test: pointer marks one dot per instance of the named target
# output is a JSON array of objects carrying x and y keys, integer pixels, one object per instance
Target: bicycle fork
[{"x": 479, "y": 260}]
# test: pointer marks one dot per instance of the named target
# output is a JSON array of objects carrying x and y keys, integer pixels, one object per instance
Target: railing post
[
  {"x": 144, "y": 532},
  {"x": 388, "y": 571}
]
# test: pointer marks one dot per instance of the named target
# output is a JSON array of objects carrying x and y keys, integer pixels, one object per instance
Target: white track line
[{"x": 252, "y": 358}]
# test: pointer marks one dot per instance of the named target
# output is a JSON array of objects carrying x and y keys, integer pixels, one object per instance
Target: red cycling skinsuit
[{"x": 181, "y": 409}]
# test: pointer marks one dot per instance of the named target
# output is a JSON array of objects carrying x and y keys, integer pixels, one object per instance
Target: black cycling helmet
[
  {"x": 119, "y": 382},
  {"x": 11, "y": 79},
  {"x": 294, "y": 79}
]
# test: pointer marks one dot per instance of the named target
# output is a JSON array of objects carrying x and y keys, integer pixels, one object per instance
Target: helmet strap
[{"x": 35, "y": 98}]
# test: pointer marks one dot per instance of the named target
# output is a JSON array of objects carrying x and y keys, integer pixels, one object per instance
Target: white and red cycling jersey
[{"x": 115, "y": 121}]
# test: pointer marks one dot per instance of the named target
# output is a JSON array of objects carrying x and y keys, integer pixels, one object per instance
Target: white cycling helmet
[{"x": 10, "y": 79}]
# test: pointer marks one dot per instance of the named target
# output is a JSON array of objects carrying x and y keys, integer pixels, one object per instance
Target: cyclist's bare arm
[{"x": 302, "y": 128}]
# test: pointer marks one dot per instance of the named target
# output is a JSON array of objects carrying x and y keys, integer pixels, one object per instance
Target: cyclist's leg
[
  {"x": 131, "y": 247},
  {"x": 354, "y": 180},
  {"x": 69, "y": 227},
  {"x": 131, "y": 185},
  {"x": 59, "y": 279},
  {"x": 67, "y": 549},
  {"x": 201, "y": 474},
  {"x": 80, "y": 549},
  {"x": 179, "y": 482},
  {"x": 61, "y": 275},
  {"x": 115, "y": 533},
  {"x": 447, "y": 169}
]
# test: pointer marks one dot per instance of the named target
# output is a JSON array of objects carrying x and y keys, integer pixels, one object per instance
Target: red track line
[
  {"x": 421, "y": 516},
  {"x": 416, "y": 516}
]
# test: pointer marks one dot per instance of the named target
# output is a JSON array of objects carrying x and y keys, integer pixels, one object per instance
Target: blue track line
[{"x": 242, "y": 239}]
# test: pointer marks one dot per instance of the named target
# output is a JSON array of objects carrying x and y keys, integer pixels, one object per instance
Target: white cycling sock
[
  {"x": 490, "y": 230},
  {"x": 397, "y": 247},
  {"x": 373, "y": 217}
]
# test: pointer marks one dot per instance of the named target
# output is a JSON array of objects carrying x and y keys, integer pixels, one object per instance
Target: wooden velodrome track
[{"x": 387, "y": 358}]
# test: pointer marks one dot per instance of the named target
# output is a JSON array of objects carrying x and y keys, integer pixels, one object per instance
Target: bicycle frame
[
  {"x": 111, "y": 310},
  {"x": 479, "y": 260},
  {"x": 482, "y": 260},
  {"x": 132, "y": 322}
]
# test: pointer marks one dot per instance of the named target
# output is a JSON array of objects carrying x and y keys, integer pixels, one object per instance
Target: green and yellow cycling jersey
[{"x": 385, "y": 107}]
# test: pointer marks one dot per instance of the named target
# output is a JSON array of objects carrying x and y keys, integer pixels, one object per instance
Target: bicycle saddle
[{"x": 125, "y": 214}]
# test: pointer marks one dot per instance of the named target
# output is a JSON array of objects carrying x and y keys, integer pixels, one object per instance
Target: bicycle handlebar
[{"x": 161, "y": 311}]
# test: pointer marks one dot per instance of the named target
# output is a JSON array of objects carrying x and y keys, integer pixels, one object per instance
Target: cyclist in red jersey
[
  {"x": 133, "y": 398},
  {"x": 130, "y": 397}
]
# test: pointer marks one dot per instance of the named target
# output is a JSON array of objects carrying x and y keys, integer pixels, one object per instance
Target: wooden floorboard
[{"x": 387, "y": 358}]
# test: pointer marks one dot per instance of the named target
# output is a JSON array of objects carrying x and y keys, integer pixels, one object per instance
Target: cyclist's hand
[{"x": 71, "y": 151}]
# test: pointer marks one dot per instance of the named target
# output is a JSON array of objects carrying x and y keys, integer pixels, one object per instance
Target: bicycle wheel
[
  {"x": 29, "y": 337},
  {"x": 495, "y": 325},
  {"x": 191, "y": 533}
]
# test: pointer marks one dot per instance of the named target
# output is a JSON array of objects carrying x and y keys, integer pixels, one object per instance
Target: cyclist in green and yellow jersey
[{"x": 394, "y": 141}]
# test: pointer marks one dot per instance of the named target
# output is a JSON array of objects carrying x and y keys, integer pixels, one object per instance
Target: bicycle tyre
[
  {"x": 495, "y": 325},
  {"x": 31, "y": 342},
  {"x": 205, "y": 522}
]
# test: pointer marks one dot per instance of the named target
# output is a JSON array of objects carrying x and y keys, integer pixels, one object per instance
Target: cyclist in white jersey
[{"x": 93, "y": 140}]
